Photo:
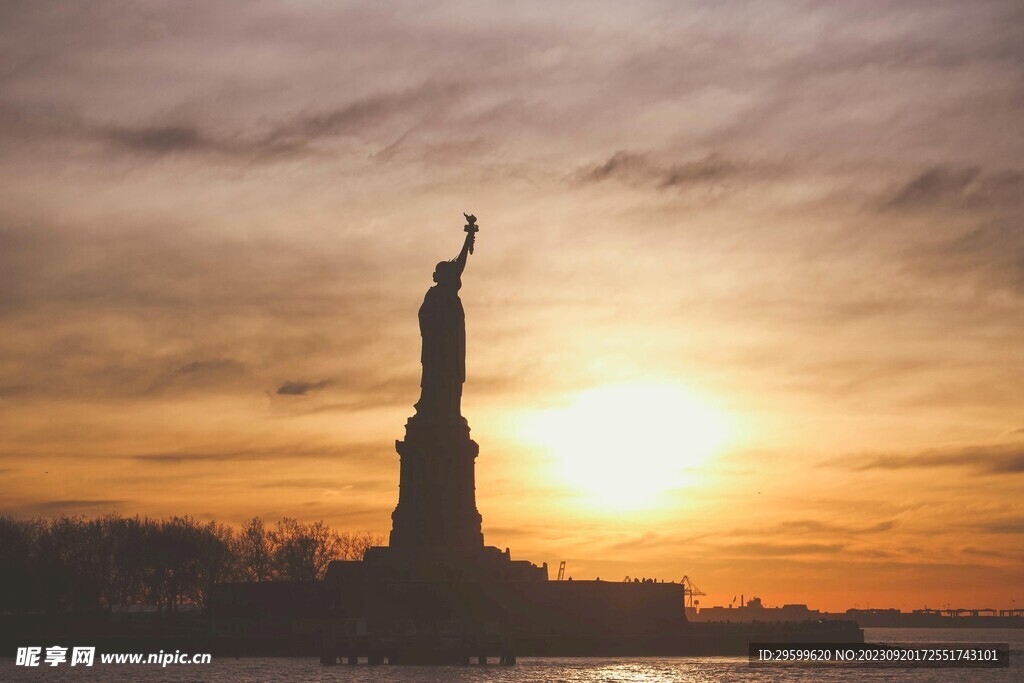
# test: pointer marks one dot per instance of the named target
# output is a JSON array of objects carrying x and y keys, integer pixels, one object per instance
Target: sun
[{"x": 625, "y": 446}]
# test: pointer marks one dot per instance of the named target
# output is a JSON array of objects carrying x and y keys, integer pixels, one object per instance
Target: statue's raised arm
[{"x": 467, "y": 247}]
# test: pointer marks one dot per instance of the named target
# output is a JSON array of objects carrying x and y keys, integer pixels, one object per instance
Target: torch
[{"x": 471, "y": 227}]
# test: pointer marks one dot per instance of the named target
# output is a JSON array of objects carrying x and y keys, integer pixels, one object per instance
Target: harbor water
[{"x": 655, "y": 670}]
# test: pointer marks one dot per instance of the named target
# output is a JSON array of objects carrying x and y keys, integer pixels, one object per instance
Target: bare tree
[
  {"x": 125, "y": 584},
  {"x": 253, "y": 551},
  {"x": 74, "y": 563},
  {"x": 216, "y": 561},
  {"x": 353, "y": 546},
  {"x": 303, "y": 551}
]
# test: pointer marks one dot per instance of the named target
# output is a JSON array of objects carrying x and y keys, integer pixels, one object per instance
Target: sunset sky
[{"x": 747, "y": 302}]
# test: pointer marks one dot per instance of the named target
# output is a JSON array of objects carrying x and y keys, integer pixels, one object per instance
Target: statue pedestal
[
  {"x": 436, "y": 509},
  {"x": 435, "y": 530}
]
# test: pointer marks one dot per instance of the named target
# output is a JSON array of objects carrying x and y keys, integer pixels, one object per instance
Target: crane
[
  {"x": 690, "y": 590},
  {"x": 561, "y": 570}
]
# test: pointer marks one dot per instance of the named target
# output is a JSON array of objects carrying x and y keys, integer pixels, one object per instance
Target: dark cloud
[
  {"x": 76, "y": 506},
  {"x": 373, "y": 111},
  {"x": 989, "y": 460},
  {"x": 382, "y": 485},
  {"x": 619, "y": 164},
  {"x": 204, "y": 375},
  {"x": 300, "y": 388},
  {"x": 815, "y": 527},
  {"x": 935, "y": 186},
  {"x": 357, "y": 389},
  {"x": 164, "y": 139},
  {"x": 150, "y": 311},
  {"x": 992, "y": 553},
  {"x": 780, "y": 549},
  {"x": 287, "y": 138},
  {"x": 706, "y": 170},
  {"x": 642, "y": 169},
  {"x": 52, "y": 261},
  {"x": 874, "y": 553},
  {"x": 1006, "y": 525},
  {"x": 347, "y": 454},
  {"x": 945, "y": 187},
  {"x": 991, "y": 256}
]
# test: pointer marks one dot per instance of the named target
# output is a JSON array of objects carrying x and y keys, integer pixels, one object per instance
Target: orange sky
[{"x": 758, "y": 266}]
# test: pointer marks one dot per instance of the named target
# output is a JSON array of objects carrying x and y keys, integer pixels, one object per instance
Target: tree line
[{"x": 81, "y": 564}]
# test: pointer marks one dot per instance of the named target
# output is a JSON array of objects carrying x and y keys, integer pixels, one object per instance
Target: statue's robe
[{"x": 443, "y": 328}]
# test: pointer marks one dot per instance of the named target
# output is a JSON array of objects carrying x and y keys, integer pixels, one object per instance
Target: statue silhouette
[{"x": 443, "y": 328}]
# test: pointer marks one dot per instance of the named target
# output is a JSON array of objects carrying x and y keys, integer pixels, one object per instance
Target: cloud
[
  {"x": 816, "y": 527},
  {"x": 992, "y": 553},
  {"x": 938, "y": 185},
  {"x": 300, "y": 388},
  {"x": 642, "y": 169},
  {"x": 779, "y": 549},
  {"x": 165, "y": 310},
  {"x": 284, "y": 139},
  {"x": 946, "y": 187},
  {"x": 164, "y": 139},
  {"x": 76, "y": 506},
  {"x": 987, "y": 460},
  {"x": 371, "y": 111},
  {"x": 383, "y": 485},
  {"x": 992, "y": 256},
  {"x": 635, "y": 542},
  {"x": 356, "y": 452},
  {"x": 620, "y": 163},
  {"x": 204, "y": 375},
  {"x": 1006, "y": 525}
]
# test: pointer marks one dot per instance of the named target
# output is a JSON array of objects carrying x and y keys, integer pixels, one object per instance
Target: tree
[
  {"x": 79, "y": 554},
  {"x": 216, "y": 561},
  {"x": 303, "y": 551},
  {"x": 353, "y": 546},
  {"x": 126, "y": 582},
  {"x": 19, "y": 590},
  {"x": 253, "y": 551},
  {"x": 73, "y": 563}
]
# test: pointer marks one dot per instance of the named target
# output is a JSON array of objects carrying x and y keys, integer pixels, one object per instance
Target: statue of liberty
[{"x": 443, "y": 328}]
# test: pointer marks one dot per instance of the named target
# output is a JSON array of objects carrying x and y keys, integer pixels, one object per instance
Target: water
[{"x": 648, "y": 670}]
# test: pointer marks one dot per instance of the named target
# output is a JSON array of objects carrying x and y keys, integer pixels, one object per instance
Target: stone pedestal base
[{"x": 436, "y": 509}]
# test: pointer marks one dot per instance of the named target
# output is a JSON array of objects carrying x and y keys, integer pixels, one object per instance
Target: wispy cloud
[
  {"x": 642, "y": 169},
  {"x": 816, "y": 527},
  {"x": 75, "y": 506},
  {"x": 766, "y": 549},
  {"x": 989, "y": 460},
  {"x": 945, "y": 187},
  {"x": 298, "y": 452},
  {"x": 201, "y": 375},
  {"x": 299, "y": 388},
  {"x": 283, "y": 140},
  {"x": 1002, "y": 525}
]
